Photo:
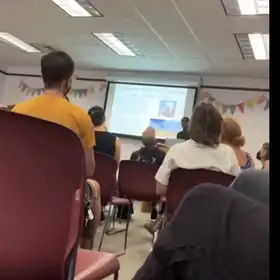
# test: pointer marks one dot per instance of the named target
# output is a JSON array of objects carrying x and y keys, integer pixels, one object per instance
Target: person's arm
[
  {"x": 163, "y": 174},
  {"x": 118, "y": 150},
  {"x": 88, "y": 139},
  {"x": 234, "y": 165},
  {"x": 266, "y": 164}
]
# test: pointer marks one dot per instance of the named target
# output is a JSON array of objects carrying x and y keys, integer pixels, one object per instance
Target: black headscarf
[{"x": 217, "y": 233}]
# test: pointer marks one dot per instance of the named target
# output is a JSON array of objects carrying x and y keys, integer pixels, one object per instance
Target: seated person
[
  {"x": 57, "y": 70},
  {"x": 254, "y": 183},
  {"x": 106, "y": 142},
  {"x": 184, "y": 134},
  {"x": 217, "y": 233},
  {"x": 150, "y": 153},
  {"x": 264, "y": 155},
  {"x": 232, "y": 136},
  {"x": 202, "y": 151}
]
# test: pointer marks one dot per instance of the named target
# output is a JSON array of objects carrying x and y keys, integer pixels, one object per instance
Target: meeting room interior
[{"x": 134, "y": 139}]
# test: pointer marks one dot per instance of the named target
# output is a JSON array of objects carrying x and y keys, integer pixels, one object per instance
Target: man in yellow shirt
[{"x": 53, "y": 105}]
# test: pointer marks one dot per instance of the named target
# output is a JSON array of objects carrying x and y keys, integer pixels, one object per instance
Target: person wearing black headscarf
[{"x": 217, "y": 233}]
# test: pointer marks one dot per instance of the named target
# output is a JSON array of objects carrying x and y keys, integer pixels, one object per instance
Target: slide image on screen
[
  {"x": 167, "y": 108},
  {"x": 131, "y": 108}
]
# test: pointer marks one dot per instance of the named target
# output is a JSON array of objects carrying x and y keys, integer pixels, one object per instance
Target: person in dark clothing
[
  {"x": 106, "y": 142},
  {"x": 184, "y": 134},
  {"x": 150, "y": 153},
  {"x": 263, "y": 155},
  {"x": 217, "y": 233},
  {"x": 253, "y": 183}
]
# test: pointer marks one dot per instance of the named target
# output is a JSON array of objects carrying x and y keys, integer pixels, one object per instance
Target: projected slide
[{"x": 132, "y": 108}]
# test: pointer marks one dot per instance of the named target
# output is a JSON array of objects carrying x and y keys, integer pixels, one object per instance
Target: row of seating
[
  {"x": 135, "y": 182},
  {"x": 42, "y": 182}
]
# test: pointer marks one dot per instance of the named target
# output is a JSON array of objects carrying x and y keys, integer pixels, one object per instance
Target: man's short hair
[{"x": 56, "y": 67}]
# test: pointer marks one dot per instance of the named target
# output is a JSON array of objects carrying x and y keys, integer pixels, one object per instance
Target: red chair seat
[
  {"x": 120, "y": 201},
  {"x": 93, "y": 265}
]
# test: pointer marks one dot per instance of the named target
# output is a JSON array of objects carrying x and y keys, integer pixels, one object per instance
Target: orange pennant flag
[{"x": 262, "y": 99}]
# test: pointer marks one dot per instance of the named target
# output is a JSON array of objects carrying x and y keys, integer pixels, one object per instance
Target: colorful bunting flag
[
  {"x": 232, "y": 108},
  {"x": 241, "y": 107},
  {"x": 250, "y": 103},
  {"x": 266, "y": 107},
  {"x": 80, "y": 92}
]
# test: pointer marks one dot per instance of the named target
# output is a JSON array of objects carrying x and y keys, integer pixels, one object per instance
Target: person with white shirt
[{"x": 203, "y": 150}]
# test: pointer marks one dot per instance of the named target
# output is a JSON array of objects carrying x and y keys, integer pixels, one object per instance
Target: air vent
[
  {"x": 43, "y": 48},
  {"x": 245, "y": 46}
]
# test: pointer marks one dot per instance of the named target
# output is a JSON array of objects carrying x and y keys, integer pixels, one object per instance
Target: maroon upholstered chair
[
  {"x": 183, "y": 180},
  {"x": 135, "y": 182},
  {"x": 42, "y": 179},
  {"x": 105, "y": 174}
]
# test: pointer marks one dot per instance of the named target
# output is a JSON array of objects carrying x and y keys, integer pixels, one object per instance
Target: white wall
[
  {"x": 255, "y": 122},
  {"x": 2, "y": 84}
]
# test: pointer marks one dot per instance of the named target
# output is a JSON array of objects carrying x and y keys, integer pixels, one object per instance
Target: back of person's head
[
  {"x": 57, "y": 68},
  {"x": 185, "y": 122},
  {"x": 149, "y": 137},
  {"x": 232, "y": 133},
  {"x": 97, "y": 115},
  {"x": 206, "y": 125},
  {"x": 264, "y": 152}
]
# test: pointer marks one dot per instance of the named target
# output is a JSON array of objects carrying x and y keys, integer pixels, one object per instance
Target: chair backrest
[
  {"x": 136, "y": 180},
  {"x": 183, "y": 180},
  {"x": 105, "y": 174},
  {"x": 42, "y": 180}
]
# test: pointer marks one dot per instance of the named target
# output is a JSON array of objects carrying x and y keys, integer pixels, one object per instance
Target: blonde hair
[{"x": 232, "y": 133}]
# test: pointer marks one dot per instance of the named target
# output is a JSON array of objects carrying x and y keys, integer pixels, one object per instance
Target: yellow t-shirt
[{"x": 57, "y": 109}]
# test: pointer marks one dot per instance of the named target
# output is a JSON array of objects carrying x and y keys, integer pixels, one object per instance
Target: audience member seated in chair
[
  {"x": 232, "y": 136},
  {"x": 217, "y": 233},
  {"x": 52, "y": 105},
  {"x": 253, "y": 183},
  {"x": 106, "y": 142},
  {"x": 264, "y": 155},
  {"x": 184, "y": 133},
  {"x": 203, "y": 150},
  {"x": 152, "y": 154}
]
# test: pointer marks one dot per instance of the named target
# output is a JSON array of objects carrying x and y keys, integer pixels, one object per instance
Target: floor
[{"x": 139, "y": 244}]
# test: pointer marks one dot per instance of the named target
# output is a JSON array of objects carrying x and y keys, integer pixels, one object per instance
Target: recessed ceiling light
[
  {"x": 254, "y": 46},
  {"x": 260, "y": 45},
  {"x": 246, "y": 7},
  {"x": 118, "y": 43},
  {"x": 78, "y": 8},
  {"x": 16, "y": 42}
]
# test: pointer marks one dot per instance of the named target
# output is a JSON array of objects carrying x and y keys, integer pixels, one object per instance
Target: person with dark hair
[
  {"x": 202, "y": 151},
  {"x": 264, "y": 155},
  {"x": 216, "y": 233},
  {"x": 184, "y": 134},
  {"x": 57, "y": 69},
  {"x": 106, "y": 142},
  {"x": 232, "y": 136}
]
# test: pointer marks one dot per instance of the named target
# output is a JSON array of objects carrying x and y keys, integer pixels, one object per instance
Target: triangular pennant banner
[
  {"x": 266, "y": 107},
  {"x": 262, "y": 99},
  {"x": 241, "y": 107},
  {"x": 232, "y": 108},
  {"x": 250, "y": 103},
  {"x": 224, "y": 108}
]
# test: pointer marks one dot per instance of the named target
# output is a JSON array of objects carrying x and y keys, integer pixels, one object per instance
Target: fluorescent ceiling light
[
  {"x": 78, "y": 8},
  {"x": 118, "y": 43},
  {"x": 260, "y": 45},
  {"x": 253, "y": 7},
  {"x": 14, "y": 41}
]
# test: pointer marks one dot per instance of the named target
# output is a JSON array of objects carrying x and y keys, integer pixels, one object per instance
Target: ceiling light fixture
[
  {"x": 254, "y": 45},
  {"x": 16, "y": 42},
  {"x": 253, "y": 7},
  {"x": 260, "y": 45},
  {"x": 246, "y": 7},
  {"x": 118, "y": 43},
  {"x": 78, "y": 8}
]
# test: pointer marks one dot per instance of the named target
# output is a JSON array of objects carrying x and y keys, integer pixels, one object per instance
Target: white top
[{"x": 191, "y": 155}]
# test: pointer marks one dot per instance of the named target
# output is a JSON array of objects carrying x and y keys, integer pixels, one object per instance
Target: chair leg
[
  {"x": 116, "y": 275},
  {"x": 105, "y": 227},
  {"x": 126, "y": 229}
]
